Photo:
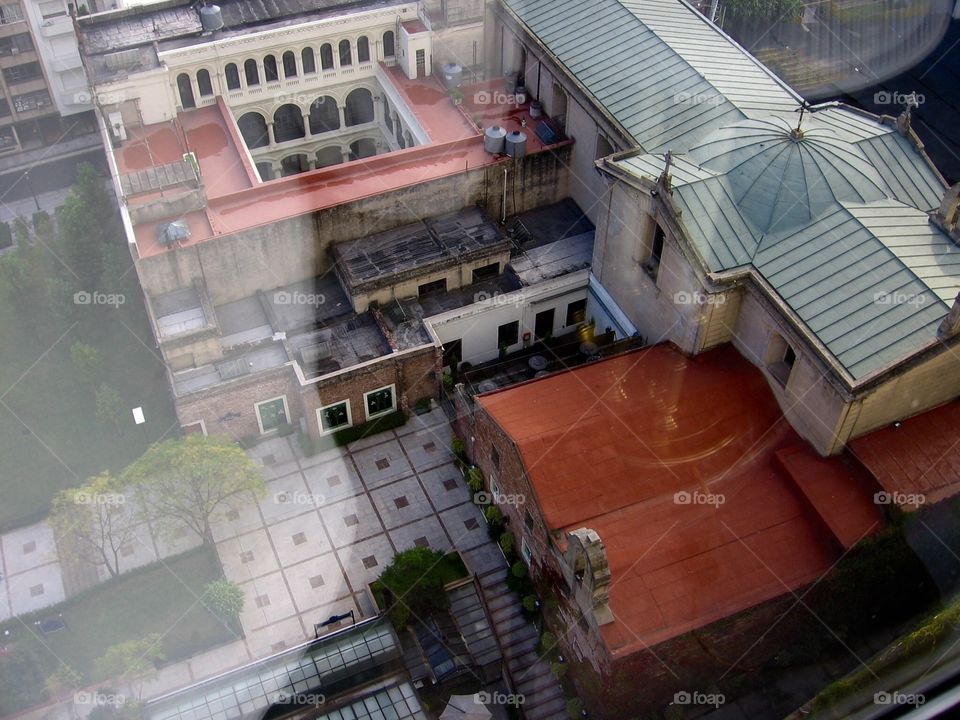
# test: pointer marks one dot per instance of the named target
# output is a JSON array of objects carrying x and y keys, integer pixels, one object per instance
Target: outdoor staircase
[{"x": 529, "y": 675}]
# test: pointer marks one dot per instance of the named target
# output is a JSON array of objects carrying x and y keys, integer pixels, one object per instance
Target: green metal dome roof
[{"x": 782, "y": 178}]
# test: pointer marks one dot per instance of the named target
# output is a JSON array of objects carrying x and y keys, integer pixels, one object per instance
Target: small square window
[
  {"x": 508, "y": 334},
  {"x": 334, "y": 417},
  {"x": 272, "y": 414},
  {"x": 380, "y": 402}
]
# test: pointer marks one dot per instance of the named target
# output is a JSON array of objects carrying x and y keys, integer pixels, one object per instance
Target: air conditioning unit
[{"x": 14, "y": 50}]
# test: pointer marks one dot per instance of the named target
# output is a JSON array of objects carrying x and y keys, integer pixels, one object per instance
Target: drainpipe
[{"x": 503, "y": 214}]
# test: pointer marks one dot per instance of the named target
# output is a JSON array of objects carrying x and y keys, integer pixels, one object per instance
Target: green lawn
[
  {"x": 161, "y": 598},
  {"x": 63, "y": 441}
]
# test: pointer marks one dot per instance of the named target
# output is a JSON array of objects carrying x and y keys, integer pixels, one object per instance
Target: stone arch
[
  {"x": 266, "y": 170},
  {"x": 253, "y": 128},
  {"x": 324, "y": 115},
  {"x": 204, "y": 83},
  {"x": 359, "y": 107},
  {"x": 289, "y": 62},
  {"x": 363, "y": 49},
  {"x": 232, "y": 75},
  {"x": 389, "y": 44},
  {"x": 294, "y": 164},
  {"x": 326, "y": 56},
  {"x": 288, "y": 123},
  {"x": 330, "y": 155},
  {"x": 251, "y": 72},
  {"x": 408, "y": 139},
  {"x": 346, "y": 53},
  {"x": 308, "y": 60},
  {"x": 587, "y": 572},
  {"x": 363, "y": 148}
]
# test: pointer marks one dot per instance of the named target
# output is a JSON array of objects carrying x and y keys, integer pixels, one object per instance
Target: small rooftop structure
[{"x": 622, "y": 446}]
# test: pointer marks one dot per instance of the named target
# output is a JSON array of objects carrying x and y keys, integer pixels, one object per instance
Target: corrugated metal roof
[
  {"x": 657, "y": 95},
  {"x": 853, "y": 253}
]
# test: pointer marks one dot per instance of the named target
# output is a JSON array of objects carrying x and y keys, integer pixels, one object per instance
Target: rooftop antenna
[
  {"x": 797, "y": 132},
  {"x": 664, "y": 180}
]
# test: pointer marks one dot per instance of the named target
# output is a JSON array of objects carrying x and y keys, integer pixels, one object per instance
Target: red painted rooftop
[
  {"x": 920, "y": 457},
  {"x": 238, "y": 201},
  {"x": 608, "y": 445}
]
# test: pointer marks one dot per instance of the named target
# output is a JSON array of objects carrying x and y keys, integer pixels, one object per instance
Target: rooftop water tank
[
  {"x": 211, "y": 19},
  {"x": 452, "y": 75},
  {"x": 493, "y": 140},
  {"x": 516, "y": 144}
]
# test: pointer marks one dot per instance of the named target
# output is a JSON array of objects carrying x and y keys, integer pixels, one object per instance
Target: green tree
[
  {"x": 193, "y": 480},
  {"x": 109, "y": 406},
  {"x": 224, "y": 598},
  {"x": 86, "y": 360},
  {"x": 96, "y": 519},
  {"x": 132, "y": 660},
  {"x": 63, "y": 681},
  {"x": 415, "y": 582}
]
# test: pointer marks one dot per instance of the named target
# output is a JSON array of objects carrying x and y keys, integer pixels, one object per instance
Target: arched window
[
  {"x": 293, "y": 164},
  {"x": 266, "y": 170},
  {"x": 326, "y": 56},
  {"x": 289, "y": 64},
  {"x": 387, "y": 115},
  {"x": 346, "y": 57},
  {"x": 252, "y": 72},
  {"x": 204, "y": 84},
  {"x": 288, "y": 123},
  {"x": 363, "y": 49},
  {"x": 324, "y": 115},
  {"x": 329, "y": 156},
  {"x": 233, "y": 76},
  {"x": 308, "y": 60},
  {"x": 270, "y": 73},
  {"x": 186, "y": 91},
  {"x": 359, "y": 107},
  {"x": 388, "y": 44},
  {"x": 363, "y": 148},
  {"x": 253, "y": 128}
]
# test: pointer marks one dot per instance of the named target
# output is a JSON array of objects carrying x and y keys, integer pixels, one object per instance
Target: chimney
[
  {"x": 947, "y": 216},
  {"x": 950, "y": 327}
]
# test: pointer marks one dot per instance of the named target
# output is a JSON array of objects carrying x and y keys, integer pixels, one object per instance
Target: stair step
[
  {"x": 555, "y": 709},
  {"x": 495, "y": 602},
  {"x": 534, "y": 684},
  {"x": 506, "y": 613},
  {"x": 494, "y": 578}
]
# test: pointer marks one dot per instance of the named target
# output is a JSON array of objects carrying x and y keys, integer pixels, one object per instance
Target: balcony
[{"x": 54, "y": 27}]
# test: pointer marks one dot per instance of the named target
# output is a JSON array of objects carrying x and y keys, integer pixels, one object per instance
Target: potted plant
[{"x": 456, "y": 95}]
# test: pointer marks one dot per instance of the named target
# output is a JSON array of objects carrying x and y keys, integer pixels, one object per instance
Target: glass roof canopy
[{"x": 293, "y": 678}]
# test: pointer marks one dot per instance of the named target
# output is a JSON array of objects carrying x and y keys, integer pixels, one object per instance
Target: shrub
[
  {"x": 507, "y": 543},
  {"x": 447, "y": 382},
  {"x": 417, "y": 576},
  {"x": 574, "y": 708},
  {"x": 530, "y": 603},
  {"x": 493, "y": 515},
  {"x": 223, "y": 598},
  {"x": 548, "y": 642},
  {"x": 6, "y": 235},
  {"x": 458, "y": 446},
  {"x": 519, "y": 569},
  {"x": 41, "y": 223},
  {"x": 475, "y": 479},
  {"x": 558, "y": 669},
  {"x": 357, "y": 432},
  {"x": 422, "y": 405}
]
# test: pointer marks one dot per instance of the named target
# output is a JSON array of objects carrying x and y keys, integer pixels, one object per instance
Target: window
[
  {"x": 326, "y": 56},
  {"x": 363, "y": 49},
  {"x": 389, "y": 49},
  {"x": 652, "y": 265},
  {"x": 22, "y": 73},
  {"x": 185, "y": 88},
  {"x": 576, "y": 312},
  {"x": 526, "y": 551},
  {"x": 346, "y": 56},
  {"x": 204, "y": 84},
  {"x": 604, "y": 147},
  {"x": 52, "y": 9},
  {"x": 487, "y": 272},
  {"x": 495, "y": 457},
  {"x": 308, "y": 60},
  {"x": 10, "y": 14},
  {"x": 16, "y": 44},
  {"x": 380, "y": 402},
  {"x": 334, "y": 417},
  {"x": 433, "y": 287},
  {"x": 289, "y": 64},
  {"x": 270, "y": 72},
  {"x": 780, "y": 358},
  {"x": 543, "y": 324},
  {"x": 508, "y": 334},
  {"x": 252, "y": 72},
  {"x": 233, "y": 76},
  {"x": 528, "y": 520},
  {"x": 271, "y": 414}
]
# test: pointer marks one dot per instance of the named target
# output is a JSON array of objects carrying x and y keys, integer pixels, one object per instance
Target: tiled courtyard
[{"x": 329, "y": 525}]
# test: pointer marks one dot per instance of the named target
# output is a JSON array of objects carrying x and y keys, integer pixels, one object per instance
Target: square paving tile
[
  {"x": 177, "y": 541},
  {"x": 427, "y": 448},
  {"x": 445, "y": 486},
  {"x": 277, "y": 457},
  {"x": 356, "y": 560},
  {"x": 287, "y": 497},
  {"x": 463, "y": 537},
  {"x": 28, "y": 547},
  {"x": 428, "y": 529},
  {"x": 247, "y": 510},
  {"x": 299, "y": 538},
  {"x": 247, "y": 556},
  {"x": 338, "y": 607},
  {"x": 382, "y": 464},
  {"x": 401, "y": 502},
  {"x": 334, "y": 481},
  {"x": 435, "y": 419},
  {"x": 316, "y": 582},
  {"x": 351, "y": 520},
  {"x": 25, "y": 588},
  {"x": 372, "y": 440},
  {"x": 262, "y": 641},
  {"x": 266, "y": 601}
]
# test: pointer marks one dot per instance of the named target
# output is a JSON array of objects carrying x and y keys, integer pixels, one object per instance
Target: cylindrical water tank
[
  {"x": 211, "y": 18},
  {"x": 516, "y": 144},
  {"x": 493, "y": 140},
  {"x": 452, "y": 75}
]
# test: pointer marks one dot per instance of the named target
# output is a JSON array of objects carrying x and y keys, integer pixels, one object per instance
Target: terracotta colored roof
[
  {"x": 920, "y": 457},
  {"x": 608, "y": 445}
]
